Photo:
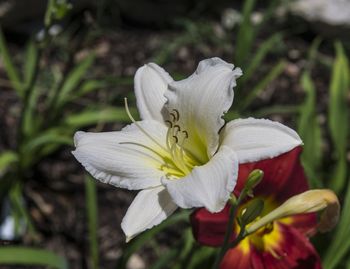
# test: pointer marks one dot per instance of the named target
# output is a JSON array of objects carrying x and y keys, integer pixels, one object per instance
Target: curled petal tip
[
  {"x": 128, "y": 239},
  {"x": 330, "y": 215}
]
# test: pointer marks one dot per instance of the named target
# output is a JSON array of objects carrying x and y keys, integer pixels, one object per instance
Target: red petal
[
  {"x": 294, "y": 252},
  {"x": 236, "y": 258},
  {"x": 305, "y": 223},
  {"x": 209, "y": 228},
  {"x": 283, "y": 176}
]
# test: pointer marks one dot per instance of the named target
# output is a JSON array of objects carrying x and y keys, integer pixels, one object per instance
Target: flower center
[
  {"x": 176, "y": 161},
  {"x": 267, "y": 238}
]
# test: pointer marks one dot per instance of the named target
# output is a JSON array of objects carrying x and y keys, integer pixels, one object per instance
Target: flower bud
[
  {"x": 306, "y": 202},
  {"x": 254, "y": 178}
]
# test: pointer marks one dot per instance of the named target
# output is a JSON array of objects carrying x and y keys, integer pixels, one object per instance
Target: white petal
[
  {"x": 151, "y": 82},
  {"x": 207, "y": 186},
  {"x": 149, "y": 208},
  {"x": 118, "y": 158},
  {"x": 201, "y": 100},
  {"x": 258, "y": 139}
]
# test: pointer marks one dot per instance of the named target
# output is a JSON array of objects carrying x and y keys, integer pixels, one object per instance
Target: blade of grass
[
  {"x": 142, "y": 239},
  {"x": 73, "y": 80},
  {"x": 31, "y": 256},
  {"x": 6, "y": 159},
  {"x": 245, "y": 35},
  {"x": 11, "y": 71},
  {"x": 166, "y": 259},
  {"x": 339, "y": 245},
  {"x": 338, "y": 114},
  {"x": 47, "y": 137},
  {"x": 202, "y": 258},
  {"x": 30, "y": 62},
  {"x": 91, "y": 211},
  {"x": 17, "y": 203},
  {"x": 310, "y": 132},
  {"x": 87, "y": 87},
  {"x": 31, "y": 120},
  {"x": 260, "y": 55},
  {"x": 273, "y": 74},
  {"x": 94, "y": 116},
  {"x": 277, "y": 109}
]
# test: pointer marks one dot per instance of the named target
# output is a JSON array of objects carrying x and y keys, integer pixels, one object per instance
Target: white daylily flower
[{"x": 178, "y": 155}]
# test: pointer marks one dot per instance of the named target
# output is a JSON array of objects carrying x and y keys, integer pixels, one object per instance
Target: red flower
[{"x": 281, "y": 244}]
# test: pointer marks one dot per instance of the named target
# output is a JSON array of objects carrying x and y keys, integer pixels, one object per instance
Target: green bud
[
  {"x": 254, "y": 179},
  {"x": 251, "y": 212},
  {"x": 233, "y": 200}
]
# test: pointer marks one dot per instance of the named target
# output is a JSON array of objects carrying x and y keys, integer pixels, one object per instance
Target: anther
[
  {"x": 176, "y": 139},
  {"x": 177, "y": 114},
  {"x": 186, "y": 134},
  {"x": 177, "y": 127},
  {"x": 170, "y": 123},
  {"x": 173, "y": 116}
]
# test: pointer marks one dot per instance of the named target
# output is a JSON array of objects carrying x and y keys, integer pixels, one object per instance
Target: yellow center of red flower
[{"x": 267, "y": 238}]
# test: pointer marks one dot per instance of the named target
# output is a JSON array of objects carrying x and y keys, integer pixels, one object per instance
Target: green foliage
[
  {"x": 91, "y": 210},
  {"x": 142, "y": 239},
  {"x": 339, "y": 245},
  {"x": 339, "y": 115},
  {"x": 269, "y": 77},
  {"x": 31, "y": 256},
  {"x": 245, "y": 34},
  {"x": 10, "y": 68},
  {"x": 48, "y": 121},
  {"x": 6, "y": 159},
  {"x": 72, "y": 81},
  {"x": 310, "y": 132}
]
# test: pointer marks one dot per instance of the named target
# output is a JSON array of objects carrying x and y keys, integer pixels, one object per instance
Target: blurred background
[{"x": 67, "y": 65}]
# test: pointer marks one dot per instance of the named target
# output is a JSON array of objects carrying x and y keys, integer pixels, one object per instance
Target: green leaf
[
  {"x": 10, "y": 69},
  {"x": 260, "y": 55},
  {"x": 87, "y": 87},
  {"x": 270, "y": 76},
  {"x": 143, "y": 238},
  {"x": 339, "y": 245},
  {"x": 310, "y": 132},
  {"x": 17, "y": 205},
  {"x": 94, "y": 116},
  {"x": 6, "y": 159},
  {"x": 91, "y": 210},
  {"x": 31, "y": 120},
  {"x": 338, "y": 114},
  {"x": 31, "y": 256},
  {"x": 203, "y": 257},
  {"x": 30, "y": 63},
  {"x": 276, "y": 109},
  {"x": 73, "y": 79},
  {"x": 166, "y": 259},
  {"x": 251, "y": 211},
  {"x": 51, "y": 136},
  {"x": 245, "y": 34}
]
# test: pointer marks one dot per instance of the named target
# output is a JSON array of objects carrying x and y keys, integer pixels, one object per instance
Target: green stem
[{"x": 226, "y": 245}]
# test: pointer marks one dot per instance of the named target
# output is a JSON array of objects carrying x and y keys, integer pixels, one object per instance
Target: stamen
[
  {"x": 139, "y": 126},
  {"x": 174, "y": 116},
  {"x": 177, "y": 114},
  {"x": 176, "y": 130},
  {"x": 186, "y": 134},
  {"x": 170, "y": 123},
  {"x": 176, "y": 139}
]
